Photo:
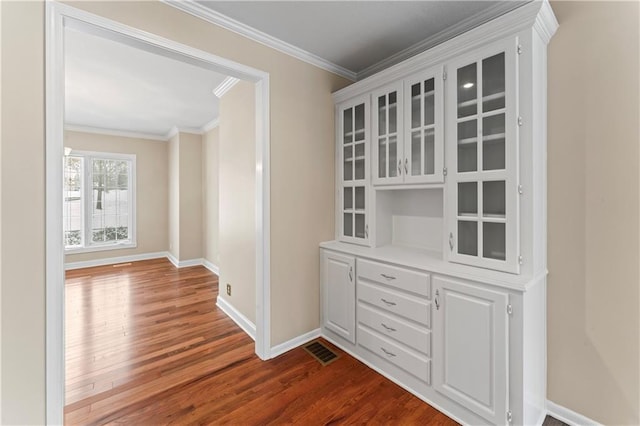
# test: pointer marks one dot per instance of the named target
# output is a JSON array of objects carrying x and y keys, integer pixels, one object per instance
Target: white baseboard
[
  {"x": 114, "y": 260},
  {"x": 242, "y": 321},
  {"x": 183, "y": 263},
  {"x": 172, "y": 259},
  {"x": 190, "y": 262},
  {"x": 294, "y": 343},
  {"x": 210, "y": 266},
  {"x": 144, "y": 256},
  {"x": 568, "y": 416}
]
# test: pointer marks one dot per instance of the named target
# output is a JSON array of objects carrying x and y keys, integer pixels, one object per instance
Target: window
[{"x": 99, "y": 201}]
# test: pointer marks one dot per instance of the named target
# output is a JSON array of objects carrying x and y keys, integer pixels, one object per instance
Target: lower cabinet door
[
  {"x": 470, "y": 347},
  {"x": 339, "y": 294}
]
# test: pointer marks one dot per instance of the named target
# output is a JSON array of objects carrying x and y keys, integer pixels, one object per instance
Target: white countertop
[{"x": 433, "y": 261}]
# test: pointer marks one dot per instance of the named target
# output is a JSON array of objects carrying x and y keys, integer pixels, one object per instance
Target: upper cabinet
[
  {"x": 408, "y": 130},
  {"x": 388, "y": 152},
  {"x": 457, "y": 143},
  {"x": 424, "y": 141},
  {"x": 482, "y": 153},
  {"x": 353, "y": 165}
]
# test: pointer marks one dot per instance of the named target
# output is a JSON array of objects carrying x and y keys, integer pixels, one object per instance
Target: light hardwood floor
[{"x": 146, "y": 345}]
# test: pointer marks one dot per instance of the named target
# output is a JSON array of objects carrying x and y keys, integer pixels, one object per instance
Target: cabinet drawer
[
  {"x": 403, "y": 279},
  {"x": 395, "y": 354},
  {"x": 415, "y": 337},
  {"x": 404, "y": 305}
]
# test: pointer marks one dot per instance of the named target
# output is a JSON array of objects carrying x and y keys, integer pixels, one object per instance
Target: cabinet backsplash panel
[
  {"x": 410, "y": 218},
  {"x": 437, "y": 279}
]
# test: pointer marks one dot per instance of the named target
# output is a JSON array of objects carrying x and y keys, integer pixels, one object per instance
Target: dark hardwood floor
[{"x": 146, "y": 345}]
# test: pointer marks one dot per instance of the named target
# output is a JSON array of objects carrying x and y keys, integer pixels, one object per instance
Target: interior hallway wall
[
  {"x": 185, "y": 196},
  {"x": 237, "y": 231},
  {"x": 302, "y": 160},
  {"x": 593, "y": 323},
  {"x": 210, "y": 198}
]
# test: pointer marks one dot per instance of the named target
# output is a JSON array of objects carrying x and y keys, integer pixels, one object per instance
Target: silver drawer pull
[
  {"x": 391, "y": 354},
  {"x": 387, "y": 327},
  {"x": 389, "y": 277},
  {"x": 389, "y": 303}
]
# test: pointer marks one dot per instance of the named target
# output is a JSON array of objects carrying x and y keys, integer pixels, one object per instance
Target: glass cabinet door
[
  {"x": 388, "y": 153},
  {"x": 424, "y": 128},
  {"x": 353, "y": 154},
  {"x": 483, "y": 147}
]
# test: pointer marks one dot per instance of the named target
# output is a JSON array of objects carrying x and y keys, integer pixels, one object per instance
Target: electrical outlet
[{"x": 228, "y": 289}]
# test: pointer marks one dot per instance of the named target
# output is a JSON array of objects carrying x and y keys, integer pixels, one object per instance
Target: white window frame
[{"x": 87, "y": 189}]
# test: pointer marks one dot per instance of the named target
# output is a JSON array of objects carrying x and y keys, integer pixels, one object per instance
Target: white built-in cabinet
[{"x": 437, "y": 276}]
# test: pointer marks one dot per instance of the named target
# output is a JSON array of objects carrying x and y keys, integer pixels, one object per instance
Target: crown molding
[
  {"x": 210, "y": 125},
  {"x": 209, "y": 15},
  {"x": 140, "y": 135},
  {"x": 225, "y": 86},
  {"x": 171, "y": 133},
  {"x": 488, "y": 14},
  {"x": 546, "y": 23},
  {"x": 535, "y": 14},
  {"x": 175, "y": 130},
  {"x": 113, "y": 132}
]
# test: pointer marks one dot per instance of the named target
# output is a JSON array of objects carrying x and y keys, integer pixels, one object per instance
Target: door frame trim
[{"x": 59, "y": 16}]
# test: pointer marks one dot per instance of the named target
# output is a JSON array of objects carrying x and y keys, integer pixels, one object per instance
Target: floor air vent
[{"x": 319, "y": 351}]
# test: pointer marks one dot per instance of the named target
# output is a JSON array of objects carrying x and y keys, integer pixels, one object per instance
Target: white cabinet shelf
[
  {"x": 428, "y": 94},
  {"x": 488, "y": 98}
]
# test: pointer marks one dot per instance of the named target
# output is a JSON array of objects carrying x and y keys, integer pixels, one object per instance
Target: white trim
[
  {"x": 144, "y": 256},
  {"x": 210, "y": 125},
  {"x": 263, "y": 220},
  {"x": 68, "y": 266},
  {"x": 54, "y": 150},
  {"x": 522, "y": 18},
  {"x": 278, "y": 350},
  {"x": 88, "y": 246},
  {"x": 458, "y": 28},
  {"x": 217, "y": 18},
  {"x": 175, "y": 130},
  {"x": 225, "y": 86},
  {"x": 242, "y": 321},
  {"x": 210, "y": 266},
  {"x": 184, "y": 263},
  {"x": 568, "y": 416},
  {"x": 140, "y": 135},
  {"x": 59, "y": 16},
  {"x": 105, "y": 247},
  {"x": 112, "y": 132},
  {"x": 171, "y": 133}
]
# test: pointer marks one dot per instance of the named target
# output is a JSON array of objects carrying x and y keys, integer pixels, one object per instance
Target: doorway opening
[{"x": 59, "y": 18}]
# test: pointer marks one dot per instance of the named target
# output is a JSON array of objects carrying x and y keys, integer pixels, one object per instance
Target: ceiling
[
  {"x": 110, "y": 85},
  {"x": 362, "y": 37}
]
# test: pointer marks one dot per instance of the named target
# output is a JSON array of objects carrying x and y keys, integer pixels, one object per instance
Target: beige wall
[
  {"x": 185, "y": 196},
  {"x": 210, "y": 164},
  {"x": 302, "y": 153},
  {"x": 237, "y": 171},
  {"x": 151, "y": 189},
  {"x": 173, "y": 168},
  {"x": 23, "y": 179},
  {"x": 190, "y": 196},
  {"x": 593, "y": 240}
]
